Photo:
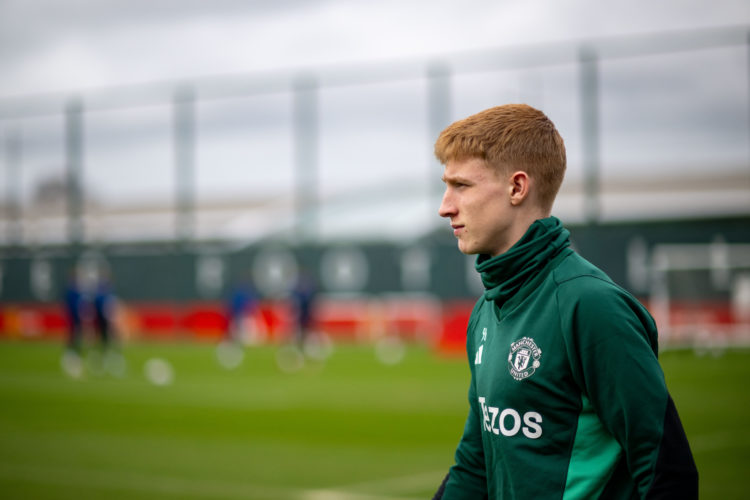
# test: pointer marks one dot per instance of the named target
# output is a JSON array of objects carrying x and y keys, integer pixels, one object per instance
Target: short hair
[{"x": 508, "y": 138}]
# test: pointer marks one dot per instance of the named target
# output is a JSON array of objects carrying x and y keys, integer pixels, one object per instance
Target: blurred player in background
[
  {"x": 74, "y": 304},
  {"x": 303, "y": 302},
  {"x": 567, "y": 398},
  {"x": 104, "y": 305},
  {"x": 241, "y": 306},
  {"x": 305, "y": 343},
  {"x": 242, "y": 326},
  {"x": 92, "y": 306}
]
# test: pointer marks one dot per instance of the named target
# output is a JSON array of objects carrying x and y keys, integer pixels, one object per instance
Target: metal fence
[{"x": 655, "y": 126}]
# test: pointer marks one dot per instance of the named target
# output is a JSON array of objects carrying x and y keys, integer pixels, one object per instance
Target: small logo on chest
[
  {"x": 523, "y": 358},
  {"x": 478, "y": 356}
]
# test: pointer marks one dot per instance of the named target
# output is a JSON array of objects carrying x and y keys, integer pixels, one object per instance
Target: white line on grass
[
  {"x": 399, "y": 482},
  {"x": 346, "y": 495},
  {"x": 377, "y": 489}
]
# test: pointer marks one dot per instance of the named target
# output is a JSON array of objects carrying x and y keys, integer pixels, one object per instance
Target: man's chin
[{"x": 466, "y": 249}]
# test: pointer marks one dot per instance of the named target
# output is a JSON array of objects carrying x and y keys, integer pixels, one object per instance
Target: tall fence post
[
  {"x": 589, "y": 87},
  {"x": 74, "y": 171},
  {"x": 439, "y": 117},
  {"x": 748, "y": 101},
  {"x": 306, "y": 203},
  {"x": 13, "y": 159},
  {"x": 184, "y": 158}
]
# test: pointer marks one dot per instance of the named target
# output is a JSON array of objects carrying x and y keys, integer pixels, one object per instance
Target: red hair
[{"x": 509, "y": 138}]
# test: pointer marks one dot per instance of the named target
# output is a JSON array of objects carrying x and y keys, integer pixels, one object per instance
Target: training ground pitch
[{"x": 347, "y": 428}]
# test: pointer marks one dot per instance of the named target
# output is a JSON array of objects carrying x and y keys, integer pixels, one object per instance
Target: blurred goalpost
[{"x": 700, "y": 294}]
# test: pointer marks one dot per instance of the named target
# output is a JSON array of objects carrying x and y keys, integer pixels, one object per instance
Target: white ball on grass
[
  {"x": 390, "y": 350},
  {"x": 158, "y": 371},
  {"x": 229, "y": 355},
  {"x": 72, "y": 364},
  {"x": 318, "y": 347},
  {"x": 290, "y": 359}
]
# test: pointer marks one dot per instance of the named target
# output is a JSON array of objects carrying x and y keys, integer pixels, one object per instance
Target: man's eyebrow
[{"x": 454, "y": 179}]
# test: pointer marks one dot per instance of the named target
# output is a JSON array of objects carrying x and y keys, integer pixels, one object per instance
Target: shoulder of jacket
[
  {"x": 577, "y": 271},
  {"x": 580, "y": 283}
]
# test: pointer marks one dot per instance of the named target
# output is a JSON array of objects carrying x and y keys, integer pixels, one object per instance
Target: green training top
[{"x": 567, "y": 398}]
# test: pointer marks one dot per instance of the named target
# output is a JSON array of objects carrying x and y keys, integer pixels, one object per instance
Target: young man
[{"x": 567, "y": 398}]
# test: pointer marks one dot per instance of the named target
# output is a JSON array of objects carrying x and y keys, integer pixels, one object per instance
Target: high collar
[{"x": 504, "y": 274}]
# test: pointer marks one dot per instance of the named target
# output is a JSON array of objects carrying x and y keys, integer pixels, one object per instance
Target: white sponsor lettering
[
  {"x": 509, "y": 422},
  {"x": 532, "y": 429},
  {"x": 485, "y": 415},
  {"x": 493, "y": 412},
  {"x": 510, "y": 412}
]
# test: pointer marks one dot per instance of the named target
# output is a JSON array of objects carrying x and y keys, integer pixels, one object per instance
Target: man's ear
[{"x": 519, "y": 188}]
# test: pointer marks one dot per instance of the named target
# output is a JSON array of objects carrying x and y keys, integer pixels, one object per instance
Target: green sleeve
[
  {"x": 611, "y": 342},
  {"x": 467, "y": 478}
]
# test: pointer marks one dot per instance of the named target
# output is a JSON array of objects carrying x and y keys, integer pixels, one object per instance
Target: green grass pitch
[{"x": 351, "y": 428}]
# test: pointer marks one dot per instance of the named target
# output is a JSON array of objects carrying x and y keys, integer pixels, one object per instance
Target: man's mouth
[{"x": 457, "y": 228}]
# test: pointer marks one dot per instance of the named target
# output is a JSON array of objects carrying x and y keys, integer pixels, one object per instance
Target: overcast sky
[
  {"x": 75, "y": 44},
  {"x": 72, "y": 46}
]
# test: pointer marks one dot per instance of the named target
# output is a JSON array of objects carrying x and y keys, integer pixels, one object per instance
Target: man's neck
[{"x": 520, "y": 225}]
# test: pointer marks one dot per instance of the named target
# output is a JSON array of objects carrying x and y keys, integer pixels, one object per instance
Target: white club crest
[{"x": 523, "y": 359}]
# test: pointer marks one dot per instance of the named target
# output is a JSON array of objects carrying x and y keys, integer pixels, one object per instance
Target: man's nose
[{"x": 447, "y": 207}]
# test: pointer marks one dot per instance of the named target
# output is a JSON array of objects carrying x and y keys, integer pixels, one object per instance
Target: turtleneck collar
[{"x": 504, "y": 274}]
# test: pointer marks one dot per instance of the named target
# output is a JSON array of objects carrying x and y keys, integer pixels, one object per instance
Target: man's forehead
[{"x": 470, "y": 168}]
